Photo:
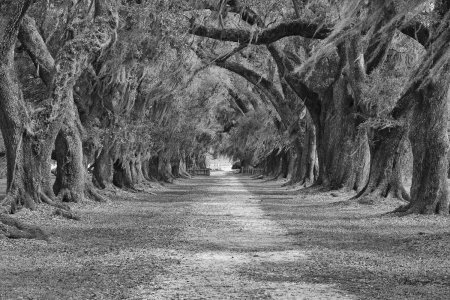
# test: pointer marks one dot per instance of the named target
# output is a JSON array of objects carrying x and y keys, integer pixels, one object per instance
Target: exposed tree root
[
  {"x": 61, "y": 208},
  {"x": 146, "y": 184},
  {"x": 370, "y": 196},
  {"x": 383, "y": 191},
  {"x": 419, "y": 209},
  {"x": 318, "y": 188},
  {"x": 297, "y": 183},
  {"x": 66, "y": 214},
  {"x": 15, "y": 229},
  {"x": 50, "y": 202},
  {"x": 5, "y": 205},
  {"x": 184, "y": 175},
  {"x": 91, "y": 193},
  {"x": 66, "y": 195},
  {"x": 273, "y": 178},
  {"x": 145, "y": 190}
]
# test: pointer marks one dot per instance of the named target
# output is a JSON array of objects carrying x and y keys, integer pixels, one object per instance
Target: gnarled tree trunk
[
  {"x": 138, "y": 175},
  {"x": 387, "y": 149},
  {"x": 304, "y": 164},
  {"x": 122, "y": 174},
  {"x": 429, "y": 142},
  {"x": 23, "y": 184},
  {"x": 343, "y": 149},
  {"x": 164, "y": 168},
  {"x": 22, "y": 146},
  {"x": 70, "y": 172},
  {"x": 102, "y": 174},
  {"x": 153, "y": 167},
  {"x": 145, "y": 167}
]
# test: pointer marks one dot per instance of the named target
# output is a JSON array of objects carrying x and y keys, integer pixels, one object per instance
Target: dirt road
[
  {"x": 229, "y": 248},
  {"x": 229, "y": 237},
  {"x": 206, "y": 238}
]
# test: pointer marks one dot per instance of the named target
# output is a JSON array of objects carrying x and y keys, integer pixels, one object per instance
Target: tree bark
[
  {"x": 146, "y": 168},
  {"x": 153, "y": 167},
  {"x": 70, "y": 173},
  {"x": 122, "y": 174},
  {"x": 427, "y": 96},
  {"x": 164, "y": 168},
  {"x": 429, "y": 141},
  {"x": 343, "y": 150},
  {"x": 304, "y": 151},
  {"x": 138, "y": 177},
  {"x": 23, "y": 170},
  {"x": 21, "y": 145},
  {"x": 264, "y": 36},
  {"x": 182, "y": 167},
  {"x": 387, "y": 149},
  {"x": 102, "y": 174},
  {"x": 179, "y": 167}
]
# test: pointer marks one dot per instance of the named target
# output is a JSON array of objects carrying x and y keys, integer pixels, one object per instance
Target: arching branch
[
  {"x": 263, "y": 36},
  {"x": 35, "y": 45},
  {"x": 275, "y": 97}
]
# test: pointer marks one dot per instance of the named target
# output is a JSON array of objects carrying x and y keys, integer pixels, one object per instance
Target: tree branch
[
  {"x": 247, "y": 14},
  {"x": 37, "y": 49},
  {"x": 263, "y": 36},
  {"x": 11, "y": 15},
  {"x": 285, "y": 66},
  {"x": 272, "y": 93}
]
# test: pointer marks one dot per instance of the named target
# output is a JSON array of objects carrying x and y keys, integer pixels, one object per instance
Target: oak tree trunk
[
  {"x": 102, "y": 173},
  {"x": 122, "y": 174},
  {"x": 70, "y": 172},
  {"x": 343, "y": 149},
  {"x": 387, "y": 149},
  {"x": 164, "y": 168},
  {"x": 305, "y": 158},
  {"x": 429, "y": 142},
  {"x": 145, "y": 168}
]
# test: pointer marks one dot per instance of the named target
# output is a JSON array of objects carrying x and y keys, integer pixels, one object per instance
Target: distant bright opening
[{"x": 220, "y": 163}]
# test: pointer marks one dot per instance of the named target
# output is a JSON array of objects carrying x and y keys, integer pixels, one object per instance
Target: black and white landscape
[{"x": 224, "y": 149}]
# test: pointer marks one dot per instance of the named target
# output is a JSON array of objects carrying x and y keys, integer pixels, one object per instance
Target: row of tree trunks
[
  {"x": 343, "y": 149},
  {"x": 28, "y": 155},
  {"x": 276, "y": 165},
  {"x": 179, "y": 169},
  {"x": 31, "y": 143},
  {"x": 129, "y": 172},
  {"x": 303, "y": 168},
  {"x": 348, "y": 167}
]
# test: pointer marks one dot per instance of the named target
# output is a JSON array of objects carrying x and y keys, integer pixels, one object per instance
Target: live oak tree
[
  {"x": 336, "y": 170},
  {"x": 425, "y": 97},
  {"x": 385, "y": 18},
  {"x": 30, "y": 134}
]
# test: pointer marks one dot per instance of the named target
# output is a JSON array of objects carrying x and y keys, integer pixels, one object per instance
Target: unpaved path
[
  {"x": 206, "y": 238},
  {"x": 226, "y": 239},
  {"x": 229, "y": 237}
]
